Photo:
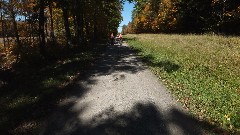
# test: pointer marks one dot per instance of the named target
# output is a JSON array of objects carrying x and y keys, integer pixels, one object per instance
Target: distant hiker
[
  {"x": 112, "y": 39},
  {"x": 120, "y": 36},
  {"x": 120, "y": 39}
]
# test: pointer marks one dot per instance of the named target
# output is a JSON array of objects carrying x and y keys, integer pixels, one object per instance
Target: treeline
[
  {"x": 46, "y": 22},
  {"x": 185, "y": 16}
]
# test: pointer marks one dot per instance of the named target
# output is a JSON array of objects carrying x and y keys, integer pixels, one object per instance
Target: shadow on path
[{"x": 143, "y": 118}]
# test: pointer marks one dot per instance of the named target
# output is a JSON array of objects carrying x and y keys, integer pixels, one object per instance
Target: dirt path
[{"x": 120, "y": 96}]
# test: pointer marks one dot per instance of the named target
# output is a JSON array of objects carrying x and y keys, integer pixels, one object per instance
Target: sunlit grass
[{"x": 202, "y": 71}]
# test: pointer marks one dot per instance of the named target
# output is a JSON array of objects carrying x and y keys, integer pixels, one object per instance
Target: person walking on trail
[
  {"x": 120, "y": 39},
  {"x": 112, "y": 39}
]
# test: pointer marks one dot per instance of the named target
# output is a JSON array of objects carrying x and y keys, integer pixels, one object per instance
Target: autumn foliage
[
  {"x": 185, "y": 16},
  {"x": 40, "y": 25}
]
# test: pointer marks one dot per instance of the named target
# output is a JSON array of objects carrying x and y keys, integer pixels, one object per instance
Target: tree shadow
[
  {"x": 59, "y": 99},
  {"x": 193, "y": 126},
  {"x": 141, "y": 119},
  {"x": 118, "y": 59},
  {"x": 129, "y": 39},
  {"x": 29, "y": 92},
  {"x": 166, "y": 65}
]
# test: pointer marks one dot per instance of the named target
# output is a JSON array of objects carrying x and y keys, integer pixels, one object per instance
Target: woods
[
  {"x": 44, "y": 23},
  {"x": 185, "y": 16},
  {"x": 45, "y": 46}
]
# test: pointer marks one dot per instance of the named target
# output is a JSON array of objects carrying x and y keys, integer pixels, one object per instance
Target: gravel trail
[{"x": 120, "y": 96}]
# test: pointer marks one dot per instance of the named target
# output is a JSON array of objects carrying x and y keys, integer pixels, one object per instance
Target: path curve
[{"x": 120, "y": 96}]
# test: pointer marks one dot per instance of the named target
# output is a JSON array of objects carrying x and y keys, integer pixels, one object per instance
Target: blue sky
[{"x": 126, "y": 14}]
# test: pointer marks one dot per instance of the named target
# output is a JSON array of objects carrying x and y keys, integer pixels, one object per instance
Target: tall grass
[{"x": 202, "y": 71}]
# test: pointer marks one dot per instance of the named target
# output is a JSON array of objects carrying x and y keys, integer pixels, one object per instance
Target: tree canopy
[
  {"x": 75, "y": 22},
  {"x": 186, "y": 16}
]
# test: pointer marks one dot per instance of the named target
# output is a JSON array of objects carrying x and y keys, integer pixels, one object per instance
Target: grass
[
  {"x": 202, "y": 71},
  {"x": 31, "y": 89}
]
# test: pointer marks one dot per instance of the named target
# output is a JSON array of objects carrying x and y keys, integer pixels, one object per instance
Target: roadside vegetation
[
  {"x": 31, "y": 90},
  {"x": 45, "y": 46},
  {"x": 202, "y": 71}
]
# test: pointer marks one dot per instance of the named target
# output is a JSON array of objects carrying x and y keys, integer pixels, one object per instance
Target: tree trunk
[
  {"x": 81, "y": 22},
  {"x": 46, "y": 30},
  {"x": 79, "y": 35},
  {"x": 79, "y": 13},
  {"x": 15, "y": 28},
  {"x": 29, "y": 31},
  {"x": 3, "y": 31},
  {"x": 7, "y": 34},
  {"x": 75, "y": 26},
  {"x": 76, "y": 22},
  {"x": 42, "y": 41},
  {"x": 66, "y": 23},
  {"x": 87, "y": 28},
  {"x": 95, "y": 28},
  {"x": 52, "y": 36}
]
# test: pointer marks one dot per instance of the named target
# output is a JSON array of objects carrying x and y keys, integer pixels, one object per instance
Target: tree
[
  {"x": 76, "y": 21},
  {"x": 186, "y": 16},
  {"x": 2, "y": 23},
  {"x": 65, "y": 9},
  {"x": 42, "y": 40}
]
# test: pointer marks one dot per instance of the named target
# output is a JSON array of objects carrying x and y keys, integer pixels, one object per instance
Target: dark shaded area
[
  {"x": 142, "y": 119},
  {"x": 166, "y": 65},
  {"x": 26, "y": 96},
  {"x": 116, "y": 60},
  {"x": 129, "y": 39},
  {"x": 23, "y": 81}
]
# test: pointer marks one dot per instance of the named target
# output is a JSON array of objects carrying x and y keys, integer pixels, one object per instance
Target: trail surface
[{"x": 120, "y": 96}]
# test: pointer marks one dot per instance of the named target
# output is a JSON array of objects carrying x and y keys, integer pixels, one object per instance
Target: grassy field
[{"x": 202, "y": 71}]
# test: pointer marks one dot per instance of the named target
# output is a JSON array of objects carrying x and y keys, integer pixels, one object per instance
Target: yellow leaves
[
  {"x": 174, "y": 20},
  {"x": 165, "y": 18},
  {"x": 174, "y": 10},
  {"x": 215, "y": 2},
  {"x": 8, "y": 58},
  {"x": 166, "y": 4},
  {"x": 229, "y": 14},
  {"x": 227, "y": 116},
  {"x": 136, "y": 20},
  {"x": 142, "y": 19},
  {"x": 147, "y": 8},
  {"x": 32, "y": 4},
  {"x": 228, "y": 119},
  {"x": 238, "y": 8}
]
